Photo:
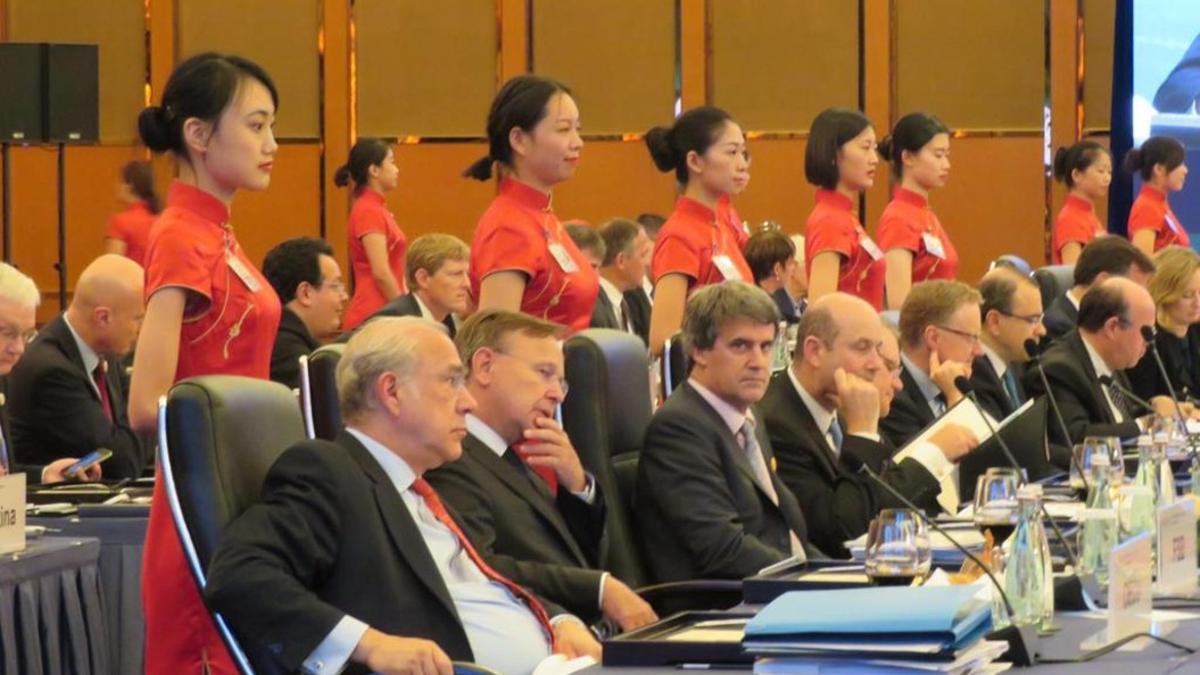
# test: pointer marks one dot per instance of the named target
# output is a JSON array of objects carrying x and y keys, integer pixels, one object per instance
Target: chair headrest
[{"x": 613, "y": 366}]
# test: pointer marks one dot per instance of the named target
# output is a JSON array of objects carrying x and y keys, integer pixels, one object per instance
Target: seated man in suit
[
  {"x": 623, "y": 270},
  {"x": 771, "y": 256},
  {"x": 822, "y": 415},
  {"x": 350, "y": 557},
  {"x": 939, "y": 339},
  {"x": 1102, "y": 258},
  {"x": 1107, "y": 341},
  {"x": 435, "y": 266},
  {"x": 640, "y": 299},
  {"x": 307, "y": 279},
  {"x": 708, "y": 503},
  {"x": 65, "y": 393},
  {"x": 588, "y": 240},
  {"x": 520, "y": 489},
  {"x": 19, "y": 299},
  {"x": 1011, "y": 314}
]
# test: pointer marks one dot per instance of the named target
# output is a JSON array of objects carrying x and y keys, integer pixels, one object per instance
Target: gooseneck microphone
[
  {"x": 1034, "y": 350},
  {"x": 964, "y": 385},
  {"x": 1148, "y": 336}
]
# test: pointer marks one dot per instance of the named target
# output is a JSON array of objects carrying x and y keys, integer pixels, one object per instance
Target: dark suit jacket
[
  {"x": 1060, "y": 318},
  {"x": 291, "y": 342},
  {"x": 331, "y": 536},
  {"x": 55, "y": 412},
  {"x": 787, "y": 307},
  {"x": 33, "y": 472},
  {"x": 699, "y": 512},
  {"x": 639, "y": 312},
  {"x": 603, "y": 314},
  {"x": 401, "y": 305},
  {"x": 837, "y": 498},
  {"x": 1079, "y": 394},
  {"x": 1181, "y": 358},
  {"x": 910, "y": 413},
  {"x": 989, "y": 389},
  {"x": 549, "y": 544}
]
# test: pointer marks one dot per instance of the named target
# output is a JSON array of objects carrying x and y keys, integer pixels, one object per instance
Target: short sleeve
[
  {"x": 115, "y": 228},
  {"x": 369, "y": 221},
  {"x": 674, "y": 255},
  {"x": 895, "y": 231},
  {"x": 1069, "y": 230},
  {"x": 829, "y": 234},
  {"x": 178, "y": 257},
  {"x": 1142, "y": 217},
  {"x": 508, "y": 247}
]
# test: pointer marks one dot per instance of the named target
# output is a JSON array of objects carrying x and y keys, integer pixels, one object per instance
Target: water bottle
[
  {"x": 1098, "y": 532},
  {"x": 1164, "y": 435},
  {"x": 1024, "y": 571},
  {"x": 1043, "y": 541},
  {"x": 1149, "y": 471},
  {"x": 1194, "y": 473}
]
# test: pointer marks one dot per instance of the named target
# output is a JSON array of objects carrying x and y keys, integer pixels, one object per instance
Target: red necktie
[
  {"x": 544, "y": 472},
  {"x": 102, "y": 387},
  {"x": 423, "y": 488}
]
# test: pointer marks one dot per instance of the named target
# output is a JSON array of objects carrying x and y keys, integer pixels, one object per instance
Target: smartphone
[{"x": 94, "y": 457}]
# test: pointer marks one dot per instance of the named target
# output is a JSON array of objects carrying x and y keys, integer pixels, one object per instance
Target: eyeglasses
[
  {"x": 973, "y": 338},
  {"x": 549, "y": 374},
  {"x": 10, "y": 334},
  {"x": 1031, "y": 319}
]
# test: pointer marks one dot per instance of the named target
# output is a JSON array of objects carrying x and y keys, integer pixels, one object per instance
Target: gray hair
[
  {"x": 17, "y": 287},
  {"x": 383, "y": 345},
  {"x": 713, "y": 306}
]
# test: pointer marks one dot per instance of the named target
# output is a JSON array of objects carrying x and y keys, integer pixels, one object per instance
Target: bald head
[
  {"x": 837, "y": 331},
  {"x": 107, "y": 308},
  {"x": 1112, "y": 315}
]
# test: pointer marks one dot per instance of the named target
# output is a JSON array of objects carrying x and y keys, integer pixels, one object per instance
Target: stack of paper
[
  {"x": 944, "y": 553},
  {"x": 888, "y": 629}
]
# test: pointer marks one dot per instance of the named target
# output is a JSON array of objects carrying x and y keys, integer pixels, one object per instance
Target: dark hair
[
  {"x": 832, "y": 128},
  {"x": 1163, "y": 150},
  {"x": 911, "y": 133},
  {"x": 653, "y": 222},
  {"x": 521, "y": 102},
  {"x": 293, "y": 262},
  {"x": 586, "y": 238},
  {"x": 619, "y": 235},
  {"x": 139, "y": 176},
  {"x": 1114, "y": 255},
  {"x": 766, "y": 249},
  {"x": 491, "y": 327},
  {"x": 1078, "y": 157},
  {"x": 999, "y": 287},
  {"x": 203, "y": 86},
  {"x": 1101, "y": 303},
  {"x": 695, "y": 131},
  {"x": 366, "y": 153},
  {"x": 717, "y": 304}
]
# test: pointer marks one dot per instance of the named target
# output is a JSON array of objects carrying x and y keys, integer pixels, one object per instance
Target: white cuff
[
  {"x": 603, "y": 580},
  {"x": 334, "y": 651},
  {"x": 589, "y": 493},
  {"x": 930, "y": 456}
]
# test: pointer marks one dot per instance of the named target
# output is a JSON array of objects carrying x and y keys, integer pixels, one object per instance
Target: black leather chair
[
  {"x": 318, "y": 392},
  {"x": 1054, "y": 280},
  {"x": 605, "y": 414},
  {"x": 218, "y": 436},
  {"x": 674, "y": 365}
]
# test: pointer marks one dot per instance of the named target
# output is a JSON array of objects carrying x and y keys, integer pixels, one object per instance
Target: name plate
[
  {"x": 1129, "y": 588},
  {"x": 1176, "y": 566},
  {"x": 12, "y": 513}
]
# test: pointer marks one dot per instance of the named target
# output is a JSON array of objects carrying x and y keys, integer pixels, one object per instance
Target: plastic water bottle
[
  {"x": 1098, "y": 532},
  {"x": 1163, "y": 436},
  {"x": 1024, "y": 572},
  {"x": 1043, "y": 541}
]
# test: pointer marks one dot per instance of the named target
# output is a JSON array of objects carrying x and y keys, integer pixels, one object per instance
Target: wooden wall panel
[
  {"x": 407, "y": 85},
  {"x": 280, "y": 35},
  {"x": 618, "y": 56},
  {"x": 775, "y": 64},
  {"x": 290, "y": 207},
  {"x": 977, "y": 65},
  {"x": 35, "y": 220},
  {"x": 1099, "y": 19},
  {"x": 615, "y": 179},
  {"x": 433, "y": 196},
  {"x": 92, "y": 175},
  {"x": 777, "y": 189},
  {"x": 118, "y": 27}
]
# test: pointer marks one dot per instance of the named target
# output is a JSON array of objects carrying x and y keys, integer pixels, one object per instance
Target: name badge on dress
[
  {"x": 565, "y": 262},
  {"x": 728, "y": 270},
  {"x": 869, "y": 246},
  {"x": 1173, "y": 224},
  {"x": 242, "y": 272},
  {"x": 934, "y": 245}
]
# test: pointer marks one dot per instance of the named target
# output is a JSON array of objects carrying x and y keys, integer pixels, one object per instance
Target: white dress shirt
[
  {"x": 90, "y": 358},
  {"x": 929, "y": 389},
  {"x": 615, "y": 298},
  {"x": 1102, "y": 369},
  {"x": 504, "y": 635}
]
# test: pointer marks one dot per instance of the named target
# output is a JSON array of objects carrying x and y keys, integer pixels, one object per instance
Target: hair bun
[
  {"x": 662, "y": 151},
  {"x": 341, "y": 177},
  {"x": 153, "y": 129},
  {"x": 885, "y": 148},
  {"x": 1133, "y": 160},
  {"x": 481, "y": 169}
]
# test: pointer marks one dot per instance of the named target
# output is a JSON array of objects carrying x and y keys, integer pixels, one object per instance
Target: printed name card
[
  {"x": 12, "y": 513},
  {"x": 1176, "y": 568},
  {"x": 1129, "y": 588}
]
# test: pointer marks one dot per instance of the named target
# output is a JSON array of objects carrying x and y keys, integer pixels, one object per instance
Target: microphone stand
[
  {"x": 1148, "y": 336},
  {"x": 1022, "y": 640},
  {"x": 1034, "y": 351}
]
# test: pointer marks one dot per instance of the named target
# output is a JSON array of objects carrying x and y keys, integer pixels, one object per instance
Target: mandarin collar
[
  {"x": 372, "y": 196},
  {"x": 1077, "y": 202},
  {"x": 835, "y": 199},
  {"x": 1154, "y": 193},
  {"x": 525, "y": 194},
  {"x": 909, "y": 197},
  {"x": 203, "y": 204},
  {"x": 695, "y": 209}
]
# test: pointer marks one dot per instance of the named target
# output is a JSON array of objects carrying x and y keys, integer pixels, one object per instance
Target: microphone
[
  {"x": 964, "y": 385},
  {"x": 1034, "y": 350},
  {"x": 1110, "y": 382},
  {"x": 1148, "y": 336},
  {"x": 1021, "y": 640}
]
